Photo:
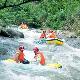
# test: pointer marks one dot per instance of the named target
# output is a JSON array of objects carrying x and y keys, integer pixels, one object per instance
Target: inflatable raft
[{"x": 54, "y": 41}]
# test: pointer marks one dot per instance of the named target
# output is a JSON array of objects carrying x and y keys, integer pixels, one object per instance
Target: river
[{"x": 68, "y": 55}]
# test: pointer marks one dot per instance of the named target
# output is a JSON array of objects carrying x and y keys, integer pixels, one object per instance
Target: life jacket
[
  {"x": 42, "y": 59},
  {"x": 52, "y": 35},
  {"x": 43, "y": 35},
  {"x": 21, "y": 57}
]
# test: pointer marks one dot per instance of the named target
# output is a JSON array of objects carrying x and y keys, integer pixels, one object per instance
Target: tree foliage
[{"x": 56, "y": 14}]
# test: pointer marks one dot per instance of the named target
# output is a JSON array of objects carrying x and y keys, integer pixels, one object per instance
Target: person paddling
[
  {"x": 23, "y": 26},
  {"x": 43, "y": 35},
  {"x": 19, "y": 57},
  {"x": 52, "y": 34},
  {"x": 39, "y": 56}
]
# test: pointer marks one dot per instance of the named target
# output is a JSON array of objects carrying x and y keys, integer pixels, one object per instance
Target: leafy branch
[{"x": 4, "y": 5}]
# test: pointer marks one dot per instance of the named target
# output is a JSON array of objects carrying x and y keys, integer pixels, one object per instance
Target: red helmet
[
  {"x": 36, "y": 49},
  {"x": 21, "y": 48}
]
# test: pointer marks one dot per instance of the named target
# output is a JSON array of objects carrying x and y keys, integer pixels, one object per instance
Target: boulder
[
  {"x": 4, "y": 33},
  {"x": 11, "y": 33}
]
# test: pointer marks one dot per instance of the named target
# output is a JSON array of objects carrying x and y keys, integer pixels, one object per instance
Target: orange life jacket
[
  {"x": 21, "y": 57},
  {"x": 42, "y": 61},
  {"x": 53, "y": 35}
]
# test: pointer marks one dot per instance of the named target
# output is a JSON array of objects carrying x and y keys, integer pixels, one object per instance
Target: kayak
[
  {"x": 53, "y": 65},
  {"x": 9, "y": 61},
  {"x": 54, "y": 41}
]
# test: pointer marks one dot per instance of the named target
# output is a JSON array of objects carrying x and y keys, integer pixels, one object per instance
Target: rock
[
  {"x": 11, "y": 33},
  {"x": 16, "y": 33},
  {"x": 4, "y": 33}
]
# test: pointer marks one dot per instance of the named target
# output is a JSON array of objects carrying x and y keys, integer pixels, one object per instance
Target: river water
[{"x": 68, "y": 55}]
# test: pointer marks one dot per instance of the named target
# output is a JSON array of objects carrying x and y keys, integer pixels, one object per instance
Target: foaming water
[{"x": 66, "y": 55}]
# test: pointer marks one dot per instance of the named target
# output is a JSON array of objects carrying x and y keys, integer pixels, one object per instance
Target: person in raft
[
  {"x": 19, "y": 57},
  {"x": 23, "y": 26},
  {"x": 43, "y": 35},
  {"x": 52, "y": 34},
  {"x": 39, "y": 56}
]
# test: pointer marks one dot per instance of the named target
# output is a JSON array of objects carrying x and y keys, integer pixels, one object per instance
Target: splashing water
[{"x": 66, "y": 55}]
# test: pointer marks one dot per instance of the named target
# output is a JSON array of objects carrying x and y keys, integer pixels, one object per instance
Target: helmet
[
  {"x": 21, "y": 48},
  {"x": 36, "y": 49}
]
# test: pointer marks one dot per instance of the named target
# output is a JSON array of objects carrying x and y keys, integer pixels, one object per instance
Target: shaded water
[{"x": 68, "y": 55}]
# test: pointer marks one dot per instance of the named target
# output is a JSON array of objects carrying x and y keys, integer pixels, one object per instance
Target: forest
[{"x": 55, "y": 14}]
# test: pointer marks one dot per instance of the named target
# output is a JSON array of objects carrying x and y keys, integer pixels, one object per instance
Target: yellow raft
[
  {"x": 55, "y": 65},
  {"x": 9, "y": 60},
  {"x": 55, "y": 41}
]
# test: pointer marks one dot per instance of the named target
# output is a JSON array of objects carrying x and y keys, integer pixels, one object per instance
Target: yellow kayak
[
  {"x": 54, "y": 65},
  {"x": 9, "y": 60},
  {"x": 55, "y": 41}
]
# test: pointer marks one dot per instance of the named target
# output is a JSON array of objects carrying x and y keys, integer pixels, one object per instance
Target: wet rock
[
  {"x": 11, "y": 33},
  {"x": 4, "y": 33}
]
